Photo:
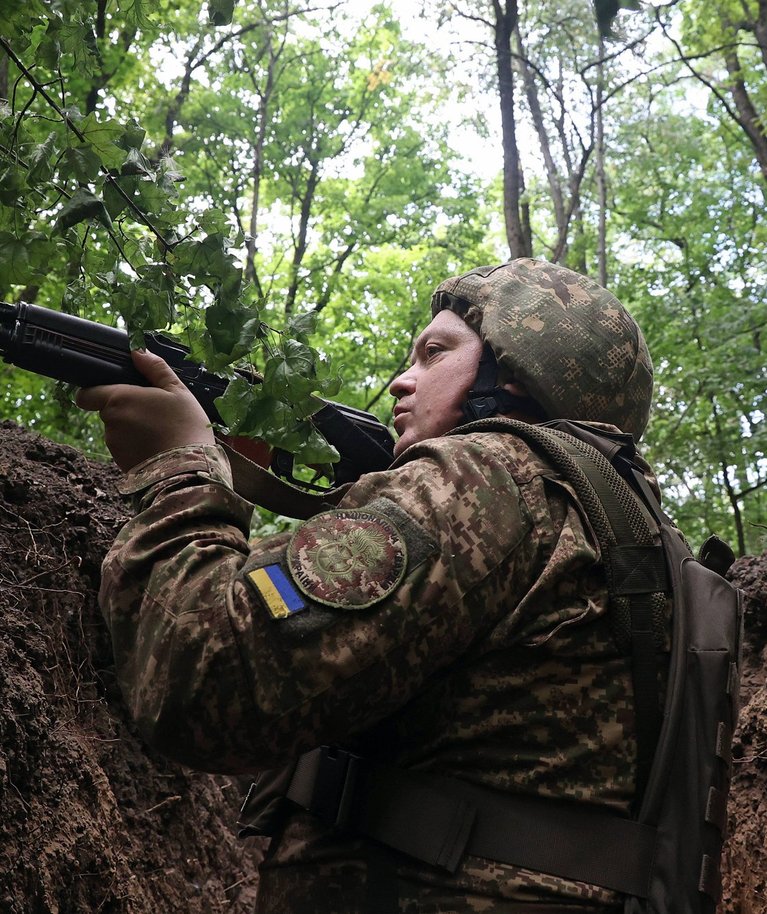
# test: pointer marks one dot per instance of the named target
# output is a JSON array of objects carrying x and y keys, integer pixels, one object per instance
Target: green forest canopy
[{"x": 287, "y": 183}]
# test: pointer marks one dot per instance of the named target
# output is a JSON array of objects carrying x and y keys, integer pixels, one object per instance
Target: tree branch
[{"x": 74, "y": 128}]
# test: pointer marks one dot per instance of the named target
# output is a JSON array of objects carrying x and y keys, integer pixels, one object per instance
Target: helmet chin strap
[{"x": 487, "y": 399}]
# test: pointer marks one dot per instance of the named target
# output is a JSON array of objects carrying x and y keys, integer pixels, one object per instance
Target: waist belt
[{"x": 438, "y": 820}]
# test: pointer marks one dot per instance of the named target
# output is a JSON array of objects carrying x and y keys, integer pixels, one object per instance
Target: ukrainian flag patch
[{"x": 276, "y": 590}]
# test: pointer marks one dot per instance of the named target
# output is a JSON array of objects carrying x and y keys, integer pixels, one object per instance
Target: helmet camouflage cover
[{"x": 572, "y": 344}]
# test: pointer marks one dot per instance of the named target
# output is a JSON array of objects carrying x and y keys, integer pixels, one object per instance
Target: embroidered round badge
[{"x": 347, "y": 559}]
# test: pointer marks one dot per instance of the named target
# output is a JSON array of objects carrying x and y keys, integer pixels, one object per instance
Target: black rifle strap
[{"x": 438, "y": 820}]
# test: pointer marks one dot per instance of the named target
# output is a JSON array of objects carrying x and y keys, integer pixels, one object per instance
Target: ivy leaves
[
  {"x": 82, "y": 206},
  {"x": 83, "y": 199},
  {"x": 278, "y": 408},
  {"x": 23, "y": 257}
]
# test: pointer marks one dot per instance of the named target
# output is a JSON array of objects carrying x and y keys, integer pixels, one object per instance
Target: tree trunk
[
  {"x": 518, "y": 233},
  {"x": 174, "y": 110},
  {"x": 760, "y": 30},
  {"x": 600, "y": 170},
  {"x": 748, "y": 117},
  {"x": 299, "y": 250},
  {"x": 264, "y": 98},
  {"x": 552, "y": 172}
]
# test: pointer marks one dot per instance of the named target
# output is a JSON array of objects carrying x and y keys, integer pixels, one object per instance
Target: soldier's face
[{"x": 431, "y": 392}]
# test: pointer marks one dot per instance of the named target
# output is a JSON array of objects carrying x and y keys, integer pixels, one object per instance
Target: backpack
[{"x": 671, "y": 846}]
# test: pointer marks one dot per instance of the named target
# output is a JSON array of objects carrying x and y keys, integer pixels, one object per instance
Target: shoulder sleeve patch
[{"x": 347, "y": 559}]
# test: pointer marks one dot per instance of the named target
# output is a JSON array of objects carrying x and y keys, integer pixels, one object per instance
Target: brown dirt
[
  {"x": 745, "y": 857},
  {"x": 91, "y": 820}
]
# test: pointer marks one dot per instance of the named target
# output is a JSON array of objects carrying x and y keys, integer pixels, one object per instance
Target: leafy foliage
[{"x": 93, "y": 214}]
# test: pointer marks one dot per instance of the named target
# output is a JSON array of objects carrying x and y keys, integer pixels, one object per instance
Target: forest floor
[{"x": 91, "y": 820}]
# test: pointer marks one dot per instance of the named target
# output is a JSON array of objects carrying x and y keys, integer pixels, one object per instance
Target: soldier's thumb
[{"x": 155, "y": 370}]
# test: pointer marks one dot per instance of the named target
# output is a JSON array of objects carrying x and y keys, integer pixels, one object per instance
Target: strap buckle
[{"x": 325, "y": 783}]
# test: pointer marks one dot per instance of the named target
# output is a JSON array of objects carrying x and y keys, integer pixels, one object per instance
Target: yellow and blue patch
[{"x": 276, "y": 590}]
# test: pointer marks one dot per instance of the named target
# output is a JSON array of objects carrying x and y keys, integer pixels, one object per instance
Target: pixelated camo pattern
[
  {"x": 491, "y": 660},
  {"x": 571, "y": 342}
]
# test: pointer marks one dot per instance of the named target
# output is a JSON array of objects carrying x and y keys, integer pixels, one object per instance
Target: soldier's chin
[{"x": 402, "y": 444}]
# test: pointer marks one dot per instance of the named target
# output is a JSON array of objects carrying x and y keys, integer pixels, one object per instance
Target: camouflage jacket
[{"x": 448, "y": 617}]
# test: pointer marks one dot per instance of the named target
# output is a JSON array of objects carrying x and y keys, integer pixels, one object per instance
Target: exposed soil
[
  {"x": 91, "y": 820},
  {"x": 745, "y": 855}
]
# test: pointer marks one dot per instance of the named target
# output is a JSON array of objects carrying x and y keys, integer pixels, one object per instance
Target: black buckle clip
[
  {"x": 480, "y": 407},
  {"x": 334, "y": 786}
]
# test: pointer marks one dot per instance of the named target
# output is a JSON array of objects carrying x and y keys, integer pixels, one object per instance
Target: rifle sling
[
  {"x": 263, "y": 488},
  {"x": 437, "y": 820}
]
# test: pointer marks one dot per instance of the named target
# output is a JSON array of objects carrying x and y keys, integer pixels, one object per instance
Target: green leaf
[
  {"x": 303, "y": 440},
  {"x": 300, "y": 326},
  {"x": 136, "y": 163},
  {"x": 233, "y": 331},
  {"x": 83, "y": 207},
  {"x": 234, "y": 404},
  {"x": 16, "y": 16},
  {"x": 169, "y": 173},
  {"x": 12, "y": 182},
  {"x": 102, "y": 137},
  {"x": 290, "y": 373},
  {"x": 77, "y": 298},
  {"x": 220, "y": 12},
  {"x": 315, "y": 449},
  {"x": 48, "y": 52},
  {"x": 138, "y": 13},
  {"x": 209, "y": 262},
  {"x": 23, "y": 258},
  {"x": 114, "y": 201},
  {"x": 141, "y": 305},
  {"x": 40, "y": 250},
  {"x": 133, "y": 136},
  {"x": 14, "y": 260},
  {"x": 158, "y": 276},
  {"x": 40, "y": 161},
  {"x": 199, "y": 259},
  {"x": 151, "y": 197},
  {"x": 80, "y": 163},
  {"x": 214, "y": 221}
]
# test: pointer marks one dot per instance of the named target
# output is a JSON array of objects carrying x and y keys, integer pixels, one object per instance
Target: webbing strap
[
  {"x": 624, "y": 539},
  {"x": 263, "y": 488},
  {"x": 438, "y": 820}
]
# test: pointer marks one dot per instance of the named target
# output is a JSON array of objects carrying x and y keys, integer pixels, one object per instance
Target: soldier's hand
[{"x": 140, "y": 422}]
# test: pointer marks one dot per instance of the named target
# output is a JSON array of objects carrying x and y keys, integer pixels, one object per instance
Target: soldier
[{"x": 448, "y": 618}]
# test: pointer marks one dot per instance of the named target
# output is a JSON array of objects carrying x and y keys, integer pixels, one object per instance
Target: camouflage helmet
[{"x": 572, "y": 344}]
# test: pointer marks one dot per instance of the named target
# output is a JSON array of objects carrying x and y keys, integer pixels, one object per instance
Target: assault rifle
[{"x": 86, "y": 353}]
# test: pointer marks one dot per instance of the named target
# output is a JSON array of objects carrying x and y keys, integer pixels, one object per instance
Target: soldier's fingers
[
  {"x": 94, "y": 399},
  {"x": 155, "y": 369}
]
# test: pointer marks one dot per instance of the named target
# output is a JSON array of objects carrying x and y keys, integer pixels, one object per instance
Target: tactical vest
[{"x": 670, "y": 848}]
